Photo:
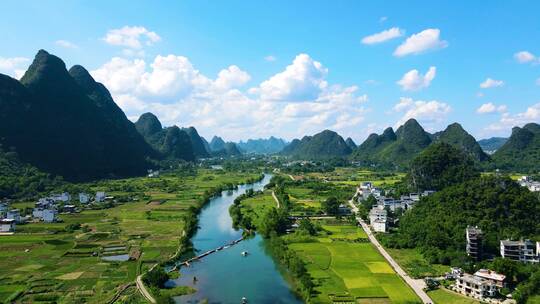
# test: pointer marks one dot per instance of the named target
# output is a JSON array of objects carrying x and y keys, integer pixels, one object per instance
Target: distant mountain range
[
  {"x": 490, "y": 145},
  {"x": 262, "y": 146},
  {"x": 65, "y": 123}
]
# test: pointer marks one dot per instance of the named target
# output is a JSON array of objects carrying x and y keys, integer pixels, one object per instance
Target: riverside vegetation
[{"x": 329, "y": 259}]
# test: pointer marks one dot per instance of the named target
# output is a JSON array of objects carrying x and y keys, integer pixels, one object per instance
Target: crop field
[
  {"x": 353, "y": 176},
  {"x": 443, "y": 296},
  {"x": 255, "y": 207},
  {"x": 414, "y": 263},
  {"x": 347, "y": 268},
  {"x": 45, "y": 262}
]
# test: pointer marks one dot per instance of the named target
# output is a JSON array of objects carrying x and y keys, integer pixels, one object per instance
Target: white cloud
[
  {"x": 133, "y": 37},
  {"x": 66, "y": 44},
  {"x": 421, "y": 42},
  {"x": 232, "y": 77},
  {"x": 383, "y": 19},
  {"x": 173, "y": 89},
  {"x": 491, "y": 83},
  {"x": 383, "y": 36},
  {"x": 414, "y": 81},
  {"x": 525, "y": 57},
  {"x": 431, "y": 114},
  {"x": 489, "y": 107},
  {"x": 14, "y": 67},
  {"x": 270, "y": 58},
  {"x": 507, "y": 121},
  {"x": 302, "y": 80}
]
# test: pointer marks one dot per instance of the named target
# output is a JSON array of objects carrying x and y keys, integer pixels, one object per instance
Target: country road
[
  {"x": 417, "y": 285},
  {"x": 275, "y": 198},
  {"x": 143, "y": 290}
]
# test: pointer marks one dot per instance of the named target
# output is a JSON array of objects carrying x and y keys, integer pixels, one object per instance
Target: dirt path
[{"x": 416, "y": 285}]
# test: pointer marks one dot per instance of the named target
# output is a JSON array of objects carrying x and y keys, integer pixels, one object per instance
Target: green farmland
[
  {"x": 346, "y": 267},
  {"x": 49, "y": 263}
]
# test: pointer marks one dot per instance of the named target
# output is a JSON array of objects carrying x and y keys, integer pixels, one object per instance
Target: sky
[{"x": 250, "y": 69}]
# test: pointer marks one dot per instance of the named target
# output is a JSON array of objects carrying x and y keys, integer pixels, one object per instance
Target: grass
[
  {"x": 47, "y": 262},
  {"x": 443, "y": 296}
]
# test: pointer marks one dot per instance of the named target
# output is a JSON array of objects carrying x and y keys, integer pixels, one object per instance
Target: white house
[
  {"x": 63, "y": 197},
  {"x": 378, "y": 219},
  {"x": 100, "y": 196},
  {"x": 523, "y": 250},
  {"x": 84, "y": 198},
  {"x": 14, "y": 214},
  {"x": 37, "y": 213},
  {"x": 49, "y": 215},
  {"x": 7, "y": 225}
]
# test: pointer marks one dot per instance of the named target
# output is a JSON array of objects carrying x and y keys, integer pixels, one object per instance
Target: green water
[{"x": 227, "y": 276}]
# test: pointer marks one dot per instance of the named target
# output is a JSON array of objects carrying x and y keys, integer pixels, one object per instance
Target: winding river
[{"x": 227, "y": 276}]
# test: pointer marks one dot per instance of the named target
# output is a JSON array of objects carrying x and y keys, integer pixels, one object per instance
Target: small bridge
[{"x": 209, "y": 252}]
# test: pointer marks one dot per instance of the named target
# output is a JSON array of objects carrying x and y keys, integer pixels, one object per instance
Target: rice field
[{"x": 347, "y": 268}]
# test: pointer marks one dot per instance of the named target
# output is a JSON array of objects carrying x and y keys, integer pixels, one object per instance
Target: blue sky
[{"x": 244, "y": 69}]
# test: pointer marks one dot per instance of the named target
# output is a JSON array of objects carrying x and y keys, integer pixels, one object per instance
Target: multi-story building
[
  {"x": 474, "y": 242},
  {"x": 100, "y": 196},
  {"x": 523, "y": 250},
  {"x": 378, "y": 218},
  {"x": 483, "y": 284}
]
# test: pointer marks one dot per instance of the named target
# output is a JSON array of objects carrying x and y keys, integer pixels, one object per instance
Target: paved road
[
  {"x": 275, "y": 198},
  {"x": 143, "y": 290},
  {"x": 416, "y": 285}
]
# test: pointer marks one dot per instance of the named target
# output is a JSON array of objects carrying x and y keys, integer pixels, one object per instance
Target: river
[{"x": 226, "y": 276}]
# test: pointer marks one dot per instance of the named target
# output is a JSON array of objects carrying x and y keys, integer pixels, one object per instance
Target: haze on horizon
[{"x": 295, "y": 69}]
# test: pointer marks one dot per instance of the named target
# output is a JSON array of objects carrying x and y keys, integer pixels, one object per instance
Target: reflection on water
[{"x": 227, "y": 276}]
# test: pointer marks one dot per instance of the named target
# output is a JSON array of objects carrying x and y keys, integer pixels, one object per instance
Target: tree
[
  {"x": 274, "y": 220},
  {"x": 307, "y": 226},
  {"x": 330, "y": 205}
]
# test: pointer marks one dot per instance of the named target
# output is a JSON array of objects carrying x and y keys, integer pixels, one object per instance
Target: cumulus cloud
[
  {"x": 491, "y": 83},
  {"x": 302, "y": 80},
  {"x": 526, "y": 57},
  {"x": 507, "y": 120},
  {"x": 414, "y": 81},
  {"x": 232, "y": 77},
  {"x": 383, "y": 36},
  {"x": 418, "y": 43},
  {"x": 66, "y": 44},
  {"x": 431, "y": 114},
  {"x": 14, "y": 66},
  {"x": 489, "y": 107},
  {"x": 173, "y": 89},
  {"x": 134, "y": 37}
]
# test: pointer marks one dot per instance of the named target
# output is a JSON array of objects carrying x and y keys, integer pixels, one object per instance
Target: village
[
  {"x": 47, "y": 209},
  {"x": 484, "y": 285}
]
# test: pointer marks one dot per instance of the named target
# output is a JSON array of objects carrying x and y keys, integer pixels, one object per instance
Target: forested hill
[
  {"x": 401, "y": 147},
  {"x": 394, "y": 148},
  {"x": 67, "y": 124},
  {"x": 327, "y": 144},
  {"x": 171, "y": 142},
  {"x": 522, "y": 150}
]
